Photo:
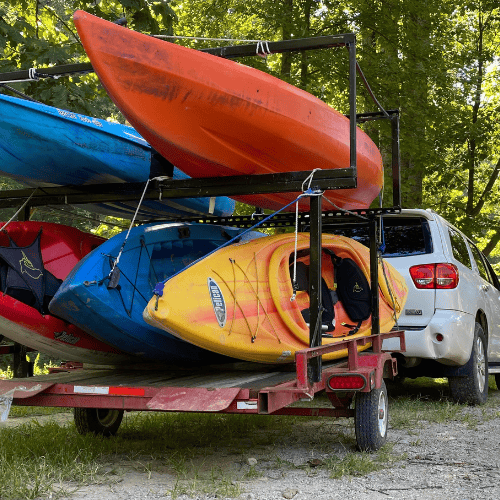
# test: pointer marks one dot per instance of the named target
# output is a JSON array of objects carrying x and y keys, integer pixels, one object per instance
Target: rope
[
  {"x": 372, "y": 95},
  {"x": 20, "y": 94},
  {"x": 158, "y": 290},
  {"x": 307, "y": 180},
  {"x": 393, "y": 300},
  {"x": 128, "y": 311},
  {"x": 151, "y": 265},
  {"x": 134, "y": 285},
  {"x": 74, "y": 215},
  {"x": 264, "y": 49},
  {"x": 234, "y": 297},
  {"x": 259, "y": 302},
  {"x": 381, "y": 238},
  {"x": 294, "y": 279},
  {"x": 346, "y": 211},
  {"x": 205, "y": 39},
  {"x": 235, "y": 301},
  {"x": 132, "y": 222},
  {"x": 17, "y": 213}
]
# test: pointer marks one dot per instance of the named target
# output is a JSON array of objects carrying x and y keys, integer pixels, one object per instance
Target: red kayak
[
  {"x": 34, "y": 258},
  {"x": 215, "y": 117}
]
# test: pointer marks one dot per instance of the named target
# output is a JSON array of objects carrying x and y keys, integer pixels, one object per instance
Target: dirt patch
[{"x": 456, "y": 460}]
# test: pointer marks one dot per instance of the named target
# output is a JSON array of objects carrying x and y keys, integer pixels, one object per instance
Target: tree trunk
[
  {"x": 470, "y": 209},
  {"x": 286, "y": 29}
]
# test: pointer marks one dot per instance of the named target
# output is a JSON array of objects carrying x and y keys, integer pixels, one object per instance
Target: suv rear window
[{"x": 404, "y": 236}]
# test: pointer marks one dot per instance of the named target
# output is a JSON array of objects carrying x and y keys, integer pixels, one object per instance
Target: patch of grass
[
  {"x": 220, "y": 488},
  {"x": 427, "y": 400},
  {"x": 472, "y": 421},
  {"x": 187, "y": 432},
  {"x": 492, "y": 385},
  {"x": 352, "y": 464},
  {"x": 409, "y": 412},
  {"x": 37, "y": 460},
  {"x": 33, "y": 411},
  {"x": 279, "y": 463},
  {"x": 214, "y": 482},
  {"x": 423, "y": 400},
  {"x": 361, "y": 464},
  {"x": 252, "y": 473}
]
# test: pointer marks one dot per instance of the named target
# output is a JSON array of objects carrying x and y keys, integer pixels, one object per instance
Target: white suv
[{"x": 452, "y": 315}]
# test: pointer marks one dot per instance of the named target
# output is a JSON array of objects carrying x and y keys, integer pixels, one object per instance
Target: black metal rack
[{"x": 256, "y": 184}]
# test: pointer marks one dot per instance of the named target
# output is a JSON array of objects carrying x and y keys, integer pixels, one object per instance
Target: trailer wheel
[
  {"x": 371, "y": 418},
  {"x": 97, "y": 421}
]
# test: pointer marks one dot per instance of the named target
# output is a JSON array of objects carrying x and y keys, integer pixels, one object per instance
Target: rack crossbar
[{"x": 188, "y": 188}]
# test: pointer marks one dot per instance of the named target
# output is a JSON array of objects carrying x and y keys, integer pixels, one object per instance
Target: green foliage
[{"x": 437, "y": 66}]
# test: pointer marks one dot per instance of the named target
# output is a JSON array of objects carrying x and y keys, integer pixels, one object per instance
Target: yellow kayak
[{"x": 240, "y": 300}]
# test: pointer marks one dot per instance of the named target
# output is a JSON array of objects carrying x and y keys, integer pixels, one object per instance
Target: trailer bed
[{"x": 233, "y": 388}]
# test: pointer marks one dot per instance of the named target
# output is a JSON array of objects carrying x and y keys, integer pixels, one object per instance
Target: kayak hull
[
  {"x": 44, "y": 146},
  {"x": 225, "y": 118}
]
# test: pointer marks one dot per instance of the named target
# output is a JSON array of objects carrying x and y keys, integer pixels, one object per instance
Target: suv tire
[{"x": 472, "y": 388}]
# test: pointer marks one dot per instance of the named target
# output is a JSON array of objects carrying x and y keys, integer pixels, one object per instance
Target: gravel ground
[{"x": 458, "y": 460}]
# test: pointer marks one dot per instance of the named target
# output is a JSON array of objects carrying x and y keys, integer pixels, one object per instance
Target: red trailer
[{"x": 100, "y": 395}]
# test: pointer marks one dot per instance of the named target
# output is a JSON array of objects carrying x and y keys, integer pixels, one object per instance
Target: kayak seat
[{"x": 302, "y": 285}]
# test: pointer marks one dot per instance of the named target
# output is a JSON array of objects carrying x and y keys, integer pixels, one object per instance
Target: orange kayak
[
  {"x": 213, "y": 117},
  {"x": 237, "y": 301}
]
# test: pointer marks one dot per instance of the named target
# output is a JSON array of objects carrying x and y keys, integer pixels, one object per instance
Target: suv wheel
[{"x": 472, "y": 388}]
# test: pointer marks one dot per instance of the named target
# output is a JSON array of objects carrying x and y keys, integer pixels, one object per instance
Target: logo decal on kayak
[{"x": 217, "y": 302}]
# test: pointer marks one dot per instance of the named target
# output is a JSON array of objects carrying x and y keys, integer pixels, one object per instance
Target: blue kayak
[
  {"x": 45, "y": 146},
  {"x": 110, "y": 306}
]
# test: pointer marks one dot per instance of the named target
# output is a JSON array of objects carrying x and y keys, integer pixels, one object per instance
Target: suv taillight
[{"x": 435, "y": 276}]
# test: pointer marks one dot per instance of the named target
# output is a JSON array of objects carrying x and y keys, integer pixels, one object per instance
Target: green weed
[
  {"x": 360, "y": 464},
  {"x": 352, "y": 464},
  {"x": 37, "y": 460}
]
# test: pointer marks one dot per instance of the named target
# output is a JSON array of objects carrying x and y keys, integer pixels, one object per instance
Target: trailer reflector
[
  {"x": 126, "y": 391},
  {"x": 346, "y": 382},
  {"x": 113, "y": 391}
]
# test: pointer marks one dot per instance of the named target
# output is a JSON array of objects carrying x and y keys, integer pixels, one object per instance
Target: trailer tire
[
  {"x": 497, "y": 380},
  {"x": 97, "y": 421},
  {"x": 371, "y": 418},
  {"x": 472, "y": 389}
]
